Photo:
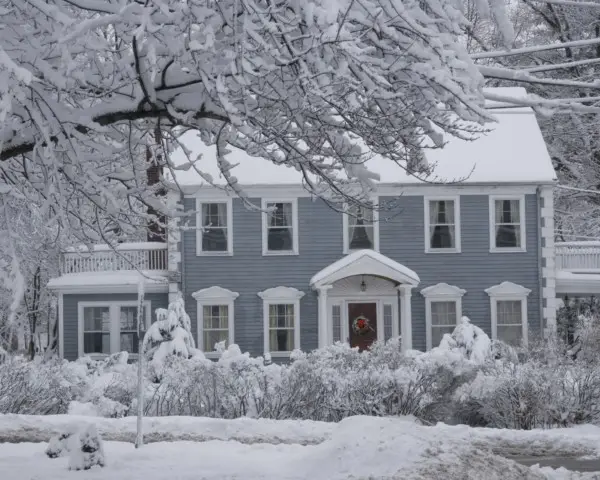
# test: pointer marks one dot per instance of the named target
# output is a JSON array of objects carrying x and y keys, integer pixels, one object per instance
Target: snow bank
[
  {"x": 358, "y": 447},
  {"x": 32, "y": 428}
]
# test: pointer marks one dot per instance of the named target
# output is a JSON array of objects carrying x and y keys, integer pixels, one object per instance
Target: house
[{"x": 296, "y": 273}]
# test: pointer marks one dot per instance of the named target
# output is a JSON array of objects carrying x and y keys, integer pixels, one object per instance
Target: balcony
[
  {"x": 146, "y": 256},
  {"x": 578, "y": 257}
]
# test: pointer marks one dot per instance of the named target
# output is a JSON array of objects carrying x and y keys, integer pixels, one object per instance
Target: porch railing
[
  {"x": 578, "y": 256},
  {"x": 127, "y": 256}
]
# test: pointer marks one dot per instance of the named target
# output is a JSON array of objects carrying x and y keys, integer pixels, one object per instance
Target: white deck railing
[
  {"x": 127, "y": 256},
  {"x": 578, "y": 256}
]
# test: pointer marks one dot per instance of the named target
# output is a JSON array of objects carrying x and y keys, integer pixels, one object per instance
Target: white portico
[{"x": 364, "y": 285}]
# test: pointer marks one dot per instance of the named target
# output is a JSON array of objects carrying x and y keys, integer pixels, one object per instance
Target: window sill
[
  {"x": 212, "y": 355},
  {"x": 508, "y": 250},
  {"x": 442, "y": 250},
  {"x": 97, "y": 356},
  {"x": 286, "y": 253},
  {"x": 280, "y": 354},
  {"x": 214, "y": 254},
  {"x": 348, "y": 252}
]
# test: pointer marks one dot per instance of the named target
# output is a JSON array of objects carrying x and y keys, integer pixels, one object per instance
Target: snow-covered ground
[{"x": 358, "y": 447}]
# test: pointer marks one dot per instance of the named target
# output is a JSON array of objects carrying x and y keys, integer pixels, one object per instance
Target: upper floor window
[
  {"x": 361, "y": 227},
  {"x": 507, "y": 223},
  {"x": 280, "y": 227},
  {"x": 215, "y": 228},
  {"x": 442, "y": 225}
]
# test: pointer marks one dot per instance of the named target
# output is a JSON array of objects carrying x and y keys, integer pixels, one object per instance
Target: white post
[
  {"x": 323, "y": 317},
  {"x": 139, "y": 440},
  {"x": 405, "y": 299}
]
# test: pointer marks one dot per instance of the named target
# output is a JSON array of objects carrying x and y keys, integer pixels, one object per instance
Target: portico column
[
  {"x": 323, "y": 329},
  {"x": 406, "y": 319}
]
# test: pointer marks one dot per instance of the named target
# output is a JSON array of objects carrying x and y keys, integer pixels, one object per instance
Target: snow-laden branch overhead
[
  {"x": 92, "y": 91},
  {"x": 536, "y": 49}
]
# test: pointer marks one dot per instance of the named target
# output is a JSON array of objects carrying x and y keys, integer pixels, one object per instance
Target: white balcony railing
[
  {"x": 578, "y": 256},
  {"x": 128, "y": 256}
]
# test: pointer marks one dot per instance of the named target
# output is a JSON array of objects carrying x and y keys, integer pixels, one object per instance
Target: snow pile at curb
[
  {"x": 355, "y": 448},
  {"x": 581, "y": 440},
  {"x": 33, "y": 428}
]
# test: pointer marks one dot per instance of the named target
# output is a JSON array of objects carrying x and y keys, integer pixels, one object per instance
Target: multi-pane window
[
  {"x": 507, "y": 223},
  {"x": 281, "y": 327},
  {"x": 442, "y": 224},
  {"x": 214, "y": 227},
  {"x": 280, "y": 227},
  {"x": 107, "y": 328},
  {"x": 361, "y": 227},
  {"x": 443, "y": 320},
  {"x": 215, "y": 326},
  {"x": 128, "y": 336},
  {"x": 96, "y": 330},
  {"x": 509, "y": 321}
]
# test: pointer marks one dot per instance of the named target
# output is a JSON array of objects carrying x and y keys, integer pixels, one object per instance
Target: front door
[{"x": 362, "y": 318}]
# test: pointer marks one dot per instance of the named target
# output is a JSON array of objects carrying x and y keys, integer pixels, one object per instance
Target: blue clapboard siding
[{"x": 320, "y": 244}]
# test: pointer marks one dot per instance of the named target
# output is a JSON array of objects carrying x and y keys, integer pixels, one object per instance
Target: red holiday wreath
[{"x": 361, "y": 325}]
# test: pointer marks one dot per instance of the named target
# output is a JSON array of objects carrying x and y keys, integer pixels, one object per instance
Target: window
[
  {"x": 215, "y": 326},
  {"x": 507, "y": 223},
  {"x": 96, "y": 330},
  {"x": 109, "y": 327},
  {"x": 509, "y": 326},
  {"x": 281, "y": 327},
  {"x": 509, "y": 312},
  {"x": 128, "y": 329},
  {"x": 215, "y": 318},
  {"x": 281, "y": 312},
  {"x": 361, "y": 227},
  {"x": 443, "y": 310},
  {"x": 214, "y": 235},
  {"x": 442, "y": 225},
  {"x": 280, "y": 227},
  {"x": 443, "y": 320}
]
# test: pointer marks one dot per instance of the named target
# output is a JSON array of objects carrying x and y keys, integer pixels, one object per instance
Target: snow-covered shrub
[
  {"x": 86, "y": 451},
  {"x": 170, "y": 334},
  {"x": 38, "y": 387},
  {"x": 533, "y": 394},
  {"x": 327, "y": 384},
  {"x": 466, "y": 342},
  {"x": 59, "y": 445}
]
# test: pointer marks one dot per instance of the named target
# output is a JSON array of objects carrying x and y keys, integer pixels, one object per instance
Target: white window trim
[
  {"x": 265, "y": 218},
  {"x": 345, "y": 225},
  {"x": 441, "y": 292},
  {"x": 511, "y": 292},
  {"x": 199, "y": 203},
  {"x": 215, "y": 296},
  {"x": 492, "y": 220},
  {"x": 114, "y": 308},
  {"x": 277, "y": 296},
  {"x": 457, "y": 233}
]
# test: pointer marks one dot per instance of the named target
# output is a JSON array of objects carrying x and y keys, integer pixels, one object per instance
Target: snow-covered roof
[
  {"x": 364, "y": 262},
  {"x": 512, "y": 151},
  {"x": 119, "y": 281}
]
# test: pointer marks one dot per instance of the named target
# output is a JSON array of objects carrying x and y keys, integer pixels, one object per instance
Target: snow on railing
[
  {"x": 128, "y": 256},
  {"x": 578, "y": 256}
]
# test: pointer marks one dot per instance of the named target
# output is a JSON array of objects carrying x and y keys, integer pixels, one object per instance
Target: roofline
[{"x": 192, "y": 190}]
